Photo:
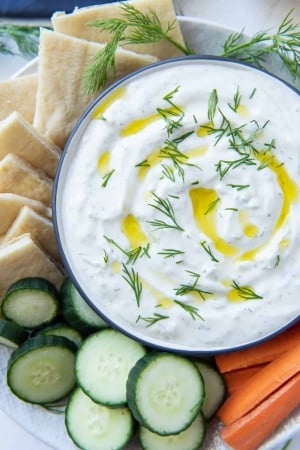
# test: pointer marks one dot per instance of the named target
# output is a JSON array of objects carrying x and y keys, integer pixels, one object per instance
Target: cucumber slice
[
  {"x": 215, "y": 388},
  {"x": 42, "y": 369},
  {"x": 65, "y": 330},
  {"x": 30, "y": 303},
  {"x": 165, "y": 392},
  {"x": 103, "y": 363},
  {"x": 77, "y": 312},
  {"x": 189, "y": 439},
  {"x": 11, "y": 334},
  {"x": 95, "y": 427}
]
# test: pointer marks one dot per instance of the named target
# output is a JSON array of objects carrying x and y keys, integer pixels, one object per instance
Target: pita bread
[
  {"x": 76, "y": 24},
  {"x": 18, "y": 177},
  {"x": 10, "y": 205},
  {"x": 63, "y": 61},
  {"x": 24, "y": 258},
  {"x": 40, "y": 229},
  {"x": 18, "y": 94},
  {"x": 19, "y": 137}
]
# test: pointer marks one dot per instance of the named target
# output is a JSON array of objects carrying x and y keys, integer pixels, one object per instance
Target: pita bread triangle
[
  {"x": 18, "y": 94},
  {"x": 63, "y": 61}
]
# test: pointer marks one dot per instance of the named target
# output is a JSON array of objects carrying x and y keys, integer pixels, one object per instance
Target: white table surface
[{"x": 252, "y": 15}]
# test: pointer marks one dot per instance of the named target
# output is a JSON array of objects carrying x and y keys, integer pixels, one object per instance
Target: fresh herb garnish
[
  {"x": 236, "y": 101},
  {"x": 134, "y": 282},
  {"x": 245, "y": 292},
  {"x": 192, "y": 310},
  {"x": 212, "y": 205},
  {"x": 208, "y": 250},
  {"x": 223, "y": 166},
  {"x": 239, "y": 187},
  {"x": 152, "y": 320},
  {"x": 212, "y": 104},
  {"x": 25, "y": 37},
  {"x": 135, "y": 27},
  {"x": 132, "y": 254},
  {"x": 188, "y": 288},
  {"x": 170, "y": 252},
  {"x": 106, "y": 177},
  {"x": 165, "y": 207}
]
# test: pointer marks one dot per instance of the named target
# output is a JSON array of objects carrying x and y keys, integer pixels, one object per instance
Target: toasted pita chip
[
  {"x": 18, "y": 94},
  {"x": 63, "y": 61},
  {"x": 10, "y": 205},
  {"x": 18, "y": 177},
  {"x": 40, "y": 229},
  {"x": 23, "y": 258},
  {"x": 19, "y": 137},
  {"x": 76, "y": 24}
]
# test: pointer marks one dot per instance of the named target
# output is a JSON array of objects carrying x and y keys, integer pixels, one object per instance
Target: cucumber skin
[
  {"x": 133, "y": 376},
  {"x": 13, "y": 332},
  {"x": 69, "y": 313},
  {"x": 50, "y": 330},
  {"x": 36, "y": 343},
  {"x": 33, "y": 283}
]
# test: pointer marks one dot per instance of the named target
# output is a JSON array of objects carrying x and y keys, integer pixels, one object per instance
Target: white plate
[{"x": 205, "y": 38}]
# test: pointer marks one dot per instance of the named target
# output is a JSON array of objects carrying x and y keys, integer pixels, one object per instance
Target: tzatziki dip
[{"x": 180, "y": 209}]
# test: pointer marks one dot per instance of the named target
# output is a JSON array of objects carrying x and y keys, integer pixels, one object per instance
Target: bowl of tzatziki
[{"x": 177, "y": 205}]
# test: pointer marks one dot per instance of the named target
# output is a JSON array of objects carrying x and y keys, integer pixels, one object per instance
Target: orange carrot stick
[
  {"x": 261, "y": 353},
  {"x": 251, "y": 430},
  {"x": 260, "y": 386},
  {"x": 235, "y": 379}
]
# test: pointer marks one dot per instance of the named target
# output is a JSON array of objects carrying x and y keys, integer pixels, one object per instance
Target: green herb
[
  {"x": 105, "y": 257},
  {"x": 132, "y": 254},
  {"x": 170, "y": 252},
  {"x": 106, "y": 177},
  {"x": 236, "y": 101},
  {"x": 239, "y": 187},
  {"x": 212, "y": 205},
  {"x": 165, "y": 207},
  {"x": 171, "y": 111},
  {"x": 134, "y": 282},
  {"x": 287, "y": 444},
  {"x": 192, "y": 310},
  {"x": 277, "y": 261},
  {"x": 188, "y": 288},
  {"x": 134, "y": 27},
  {"x": 245, "y": 292},
  {"x": 152, "y": 320},
  {"x": 143, "y": 164},
  {"x": 212, "y": 104},
  {"x": 223, "y": 166},
  {"x": 171, "y": 151},
  {"x": 231, "y": 209},
  {"x": 252, "y": 93},
  {"x": 284, "y": 43},
  {"x": 25, "y": 37},
  {"x": 207, "y": 248}
]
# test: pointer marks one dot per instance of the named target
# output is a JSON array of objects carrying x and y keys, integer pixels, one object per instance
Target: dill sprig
[
  {"x": 132, "y": 254},
  {"x": 245, "y": 292},
  {"x": 106, "y": 177},
  {"x": 208, "y": 250},
  {"x": 165, "y": 207},
  {"x": 152, "y": 320},
  {"x": 188, "y": 288},
  {"x": 192, "y": 310},
  {"x": 284, "y": 43},
  {"x": 239, "y": 187},
  {"x": 133, "y": 279},
  {"x": 236, "y": 100},
  {"x": 134, "y": 27},
  {"x": 170, "y": 252},
  {"x": 212, "y": 104},
  {"x": 223, "y": 166},
  {"x": 25, "y": 37}
]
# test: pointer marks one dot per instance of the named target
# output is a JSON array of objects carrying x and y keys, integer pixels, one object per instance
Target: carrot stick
[
  {"x": 261, "y": 353},
  {"x": 251, "y": 430},
  {"x": 260, "y": 386},
  {"x": 235, "y": 379}
]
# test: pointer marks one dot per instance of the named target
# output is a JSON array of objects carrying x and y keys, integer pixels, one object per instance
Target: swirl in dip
[{"x": 180, "y": 204}]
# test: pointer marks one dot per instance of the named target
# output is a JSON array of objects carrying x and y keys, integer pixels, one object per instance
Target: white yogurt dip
[{"x": 180, "y": 205}]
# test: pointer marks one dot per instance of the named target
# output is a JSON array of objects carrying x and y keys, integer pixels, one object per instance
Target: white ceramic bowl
[{"x": 233, "y": 327}]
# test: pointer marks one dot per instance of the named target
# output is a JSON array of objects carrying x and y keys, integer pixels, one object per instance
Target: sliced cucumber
[
  {"x": 42, "y": 369},
  {"x": 11, "y": 334},
  {"x": 77, "y": 312},
  {"x": 215, "y": 388},
  {"x": 103, "y": 363},
  {"x": 95, "y": 427},
  {"x": 65, "y": 330},
  {"x": 165, "y": 392},
  {"x": 189, "y": 439},
  {"x": 30, "y": 303}
]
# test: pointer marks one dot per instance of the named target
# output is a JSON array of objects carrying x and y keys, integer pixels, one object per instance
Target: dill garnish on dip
[{"x": 193, "y": 240}]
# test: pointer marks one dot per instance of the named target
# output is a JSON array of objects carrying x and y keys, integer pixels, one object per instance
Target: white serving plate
[{"x": 205, "y": 38}]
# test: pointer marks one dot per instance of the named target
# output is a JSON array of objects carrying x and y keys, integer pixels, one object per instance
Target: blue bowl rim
[{"x": 161, "y": 347}]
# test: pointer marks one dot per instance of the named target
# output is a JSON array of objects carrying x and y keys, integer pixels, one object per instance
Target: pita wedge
[
  {"x": 18, "y": 177},
  {"x": 19, "y": 137},
  {"x": 23, "y": 258},
  {"x": 63, "y": 61},
  {"x": 39, "y": 227},
  {"x": 18, "y": 94},
  {"x": 10, "y": 205},
  {"x": 76, "y": 24}
]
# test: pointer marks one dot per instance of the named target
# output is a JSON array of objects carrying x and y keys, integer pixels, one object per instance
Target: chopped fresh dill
[
  {"x": 236, "y": 100},
  {"x": 132, "y": 254},
  {"x": 25, "y": 37},
  {"x": 188, "y": 288},
  {"x": 212, "y": 105},
  {"x": 170, "y": 252},
  {"x": 223, "y": 166},
  {"x": 239, "y": 187},
  {"x": 245, "y": 292},
  {"x": 105, "y": 256},
  {"x": 143, "y": 163},
  {"x": 133, "y": 279},
  {"x": 165, "y": 207},
  {"x": 212, "y": 205},
  {"x": 168, "y": 172},
  {"x": 106, "y": 177},
  {"x": 231, "y": 209},
  {"x": 253, "y": 93},
  {"x": 208, "y": 250},
  {"x": 277, "y": 261},
  {"x": 152, "y": 320},
  {"x": 192, "y": 310}
]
